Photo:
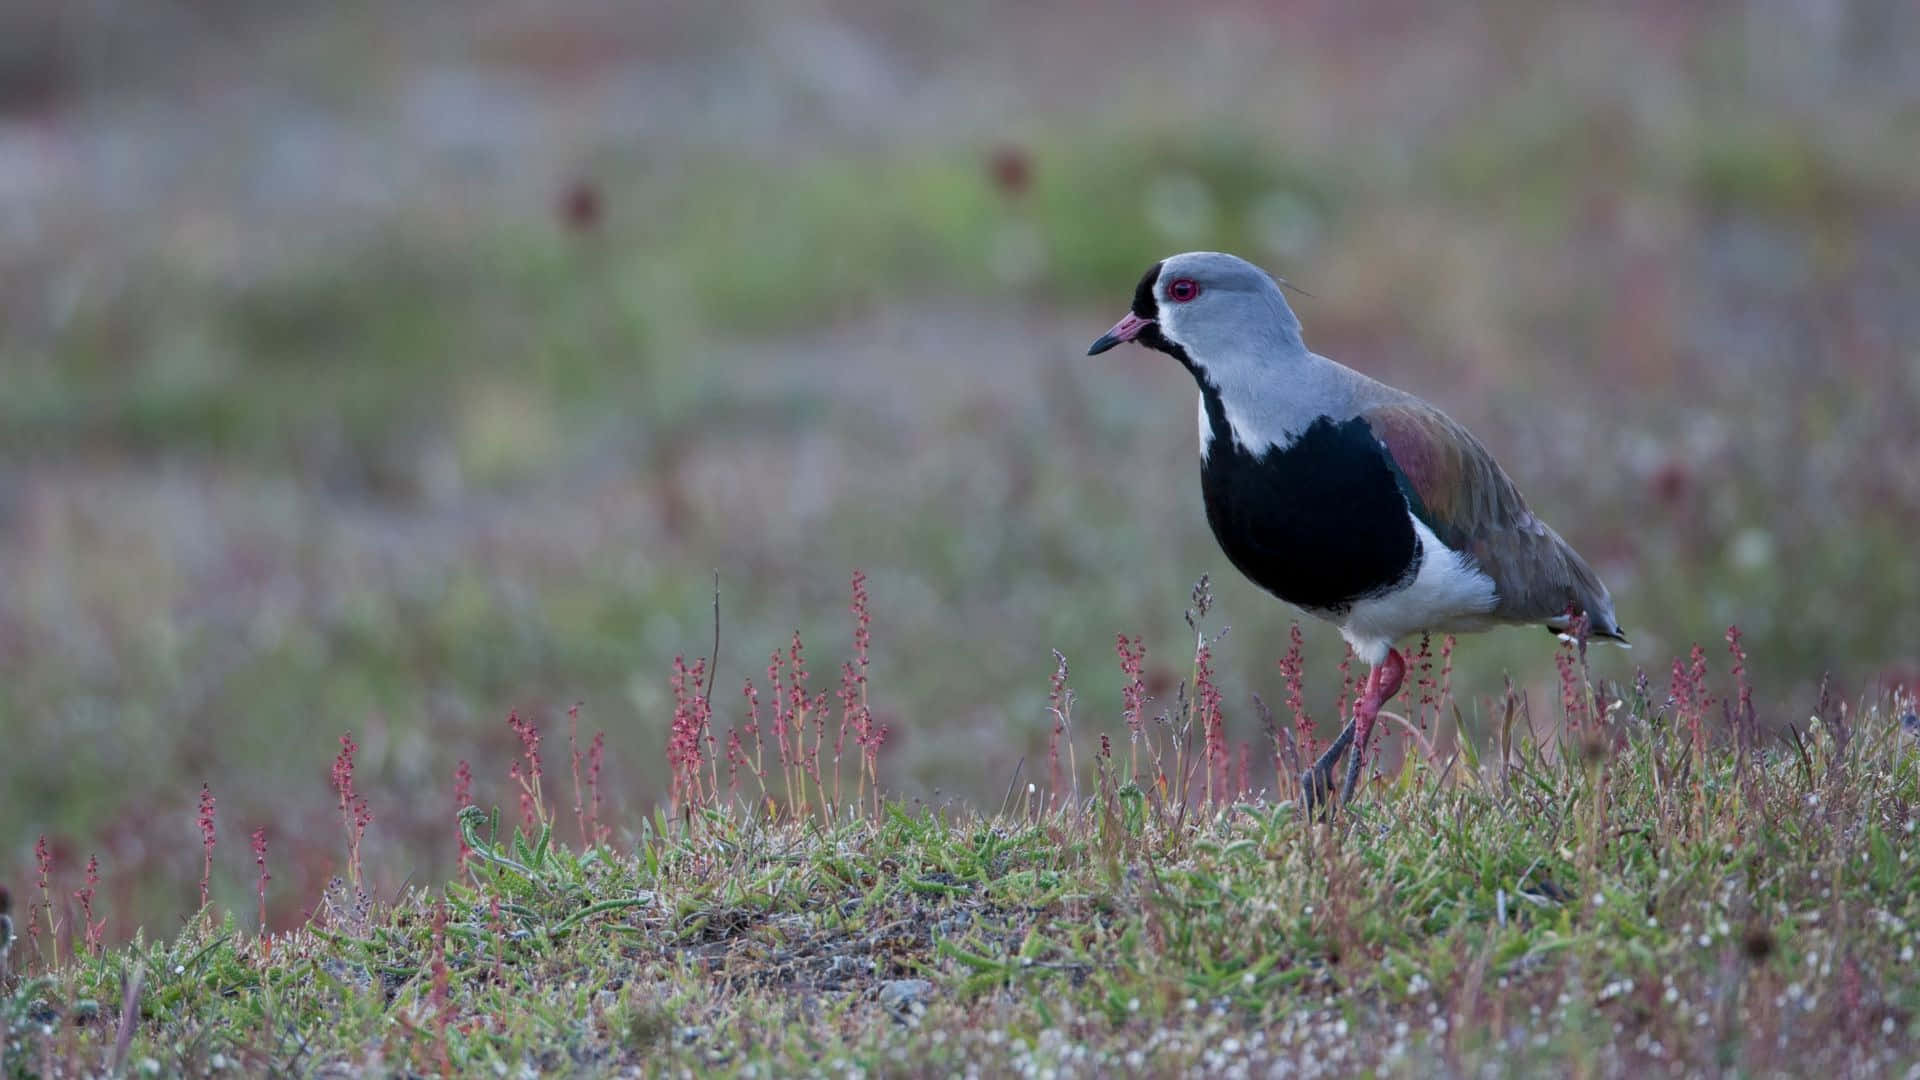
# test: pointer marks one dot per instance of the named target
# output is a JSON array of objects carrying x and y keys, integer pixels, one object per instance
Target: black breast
[{"x": 1319, "y": 524}]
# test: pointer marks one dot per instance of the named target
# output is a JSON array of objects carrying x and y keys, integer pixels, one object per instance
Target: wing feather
[{"x": 1453, "y": 485}]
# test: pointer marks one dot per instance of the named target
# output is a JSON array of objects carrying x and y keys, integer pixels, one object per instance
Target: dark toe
[
  {"x": 1354, "y": 766},
  {"x": 1317, "y": 784}
]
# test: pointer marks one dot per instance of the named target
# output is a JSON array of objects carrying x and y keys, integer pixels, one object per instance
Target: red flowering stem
[
  {"x": 1293, "y": 670},
  {"x": 1212, "y": 727},
  {"x": 354, "y": 814},
  {"x": 43, "y": 858},
  {"x": 207, "y": 838},
  {"x": 260, "y": 860},
  {"x": 91, "y": 932},
  {"x": 1133, "y": 695},
  {"x": 573, "y": 761},
  {"x": 596, "y": 756}
]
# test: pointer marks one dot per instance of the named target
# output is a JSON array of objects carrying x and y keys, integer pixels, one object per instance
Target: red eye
[{"x": 1182, "y": 290}]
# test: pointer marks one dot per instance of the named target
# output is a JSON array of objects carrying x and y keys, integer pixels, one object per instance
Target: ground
[{"x": 1658, "y": 903}]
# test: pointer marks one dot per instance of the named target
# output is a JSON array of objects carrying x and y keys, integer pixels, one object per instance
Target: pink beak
[{"x": 1125, "y": 330}]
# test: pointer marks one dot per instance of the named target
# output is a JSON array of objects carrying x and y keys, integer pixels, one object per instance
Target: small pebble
[{"x": 905, "y": 999}]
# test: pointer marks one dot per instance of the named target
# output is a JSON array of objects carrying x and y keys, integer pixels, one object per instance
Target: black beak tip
[{"x": 1107, "y": 341}]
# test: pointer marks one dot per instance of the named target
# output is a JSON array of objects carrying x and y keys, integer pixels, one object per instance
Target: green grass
[
  {"x": 266, "y": 478},
  {"x": 1642, "y": 901}
]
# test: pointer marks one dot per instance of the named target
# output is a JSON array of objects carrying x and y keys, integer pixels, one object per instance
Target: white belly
[{"x": 1447, "y": 594}]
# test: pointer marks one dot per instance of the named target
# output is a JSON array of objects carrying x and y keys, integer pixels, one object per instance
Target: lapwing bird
[{"x": 1356, "y": 502}]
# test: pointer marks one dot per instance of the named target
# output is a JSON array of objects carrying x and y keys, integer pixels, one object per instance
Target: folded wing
[{"x": 1453, "y": 485}]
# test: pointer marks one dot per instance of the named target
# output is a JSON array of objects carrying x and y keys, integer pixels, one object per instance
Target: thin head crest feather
[{"x": 1285, "y": 284}]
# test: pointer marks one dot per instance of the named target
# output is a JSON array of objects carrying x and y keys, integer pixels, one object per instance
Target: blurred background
[{"x": 385, "y": 367}]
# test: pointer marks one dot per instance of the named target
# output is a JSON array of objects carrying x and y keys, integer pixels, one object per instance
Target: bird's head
[{"x": 1208, "y": 309}]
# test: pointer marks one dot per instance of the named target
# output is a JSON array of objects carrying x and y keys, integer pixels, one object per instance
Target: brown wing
[{"x": 1459, "y": 491}]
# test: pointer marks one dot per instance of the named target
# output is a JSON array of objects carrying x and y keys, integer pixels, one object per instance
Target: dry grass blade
[{"x": 129, "y": 1019}]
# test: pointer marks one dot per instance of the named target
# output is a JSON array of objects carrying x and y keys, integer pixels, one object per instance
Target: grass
[
  {"x": 1651, "y": 883},
  {"x": 275, "y": 466}
]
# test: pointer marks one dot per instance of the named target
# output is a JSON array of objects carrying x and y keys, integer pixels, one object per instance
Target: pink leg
[{"x": 1382, "y": 683}]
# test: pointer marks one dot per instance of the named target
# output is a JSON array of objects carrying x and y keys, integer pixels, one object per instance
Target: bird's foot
[{"x": 1316, "y": 784}]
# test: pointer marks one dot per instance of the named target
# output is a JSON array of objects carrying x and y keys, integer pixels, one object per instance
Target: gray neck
[{"x": 1270, "y": 402}]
